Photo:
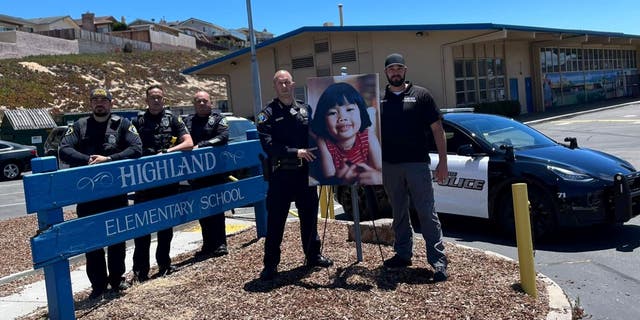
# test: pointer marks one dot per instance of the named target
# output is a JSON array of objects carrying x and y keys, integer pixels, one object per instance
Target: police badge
[
  {"x": 165, "y": 122},
  {"x": 211, "y": 121},
  {"x": 262, "y": 117},
  {"x": 111, "y": 139}
]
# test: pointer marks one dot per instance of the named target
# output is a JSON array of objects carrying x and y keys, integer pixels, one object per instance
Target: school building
[{"x": 461, "y": 64}]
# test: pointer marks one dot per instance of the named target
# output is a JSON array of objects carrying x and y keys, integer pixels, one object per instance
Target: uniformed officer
[
  {"x": 99, "y": 138},
  {"x": 283, "y": 128},
  {"x": 160, "y": 132},
  {"x": 209, "y": 128}
]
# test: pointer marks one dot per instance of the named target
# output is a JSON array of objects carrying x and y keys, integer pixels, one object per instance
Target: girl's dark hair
[{"x": 336, "y": 95}]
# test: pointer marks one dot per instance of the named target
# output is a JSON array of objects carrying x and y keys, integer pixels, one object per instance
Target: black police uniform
[
  {"x": 158, "y": 133},
  {"x": 118, "y": 139},
  {"x": 205, "y": 132},
  {"x": 283, "y": 130}
]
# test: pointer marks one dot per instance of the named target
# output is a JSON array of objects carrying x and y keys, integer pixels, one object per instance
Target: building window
[
  {"x": 579, "y": 75},
  {"x": 479, "y": 80}
]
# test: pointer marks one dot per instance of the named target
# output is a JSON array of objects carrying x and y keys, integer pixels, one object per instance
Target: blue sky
[{"x": 282, "y": 16}]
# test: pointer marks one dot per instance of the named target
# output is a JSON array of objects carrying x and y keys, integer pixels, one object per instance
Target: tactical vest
[
  {"x": 111, "y": 135},
  {"x": 160, "y": 135},
  {"x": 209, "y": 127}
]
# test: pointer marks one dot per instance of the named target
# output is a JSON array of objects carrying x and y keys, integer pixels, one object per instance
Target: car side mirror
[
  {"x": 573, "y": 142},
  {"x": 509, "y": 154}
]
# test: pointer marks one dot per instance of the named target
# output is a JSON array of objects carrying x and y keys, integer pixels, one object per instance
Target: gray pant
[{"x": 404, "y": 181}]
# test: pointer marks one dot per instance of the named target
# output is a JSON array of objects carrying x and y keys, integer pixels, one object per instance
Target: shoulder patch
[
  {"x": 262, "y": 117},
  {"x": 132, "y": 129},
  {"x": 224, "y": 122},
  {"x": 69, "y": 131}
]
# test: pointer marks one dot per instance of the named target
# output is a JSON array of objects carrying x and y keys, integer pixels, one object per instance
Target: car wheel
[
  {"x": 542, "y": 213},
  {"x": 10, "y": 171}
]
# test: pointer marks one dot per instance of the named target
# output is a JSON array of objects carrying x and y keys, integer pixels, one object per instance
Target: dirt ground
[{"x": 480, "y": 286}]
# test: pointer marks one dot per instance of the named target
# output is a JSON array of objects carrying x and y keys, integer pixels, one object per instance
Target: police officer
[
  {"x": 209, "y": 128},
  {"x": 283, "y": 128},
  {"x": 99, "y": 138},
  {"x": 160, "y": 132}
]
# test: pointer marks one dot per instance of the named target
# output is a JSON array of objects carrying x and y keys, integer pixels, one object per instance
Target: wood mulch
[{"x": 480, "y": 286}]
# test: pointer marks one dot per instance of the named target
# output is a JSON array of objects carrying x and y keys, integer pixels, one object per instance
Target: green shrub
[{"x": 507, "y": 108}]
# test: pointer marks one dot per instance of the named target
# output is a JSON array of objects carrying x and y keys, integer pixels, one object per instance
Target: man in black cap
[
  {"x": 99, "y": 138},
  {"x": 411, "y": 126}
]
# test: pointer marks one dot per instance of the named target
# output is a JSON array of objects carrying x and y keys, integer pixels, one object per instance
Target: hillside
[{"x": 62, "y": 82}]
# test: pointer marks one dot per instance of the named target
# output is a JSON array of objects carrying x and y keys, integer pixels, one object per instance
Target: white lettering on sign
[
  {"x": 221, "y": 198},
  {"x": 151, "y": 171},
  {"x": 148, "y": 217}
]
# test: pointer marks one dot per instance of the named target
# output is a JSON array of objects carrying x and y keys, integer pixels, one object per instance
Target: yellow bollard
[
  {"x": 326, "y": 202},
  {"x": 523, "y": 237}
]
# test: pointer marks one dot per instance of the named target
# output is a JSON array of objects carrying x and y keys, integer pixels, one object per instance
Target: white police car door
[{"x": 465, "y": 191}]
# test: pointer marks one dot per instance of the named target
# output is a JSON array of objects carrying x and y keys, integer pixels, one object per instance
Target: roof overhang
[{"x": 494, "y": 32}]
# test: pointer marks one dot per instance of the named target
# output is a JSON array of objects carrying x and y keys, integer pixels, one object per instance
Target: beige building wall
[
  {"x": 429, "y": 55},
  {"x": 519, "y": 66}
]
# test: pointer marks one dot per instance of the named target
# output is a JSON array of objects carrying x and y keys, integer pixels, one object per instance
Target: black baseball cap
[
  {"x": 100, "y": 93},
  {"x": 392, "y": 59}
]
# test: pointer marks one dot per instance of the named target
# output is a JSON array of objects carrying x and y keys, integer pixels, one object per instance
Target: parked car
[
  {"x": 238, "y": 127},
  {"x": 568, "y": 186},
  {"x": 53, "y": 141},
  {"x": 15, "y": 158}
]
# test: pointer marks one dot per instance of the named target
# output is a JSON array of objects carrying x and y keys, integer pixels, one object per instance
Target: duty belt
[{"x": 288, "y": 164}]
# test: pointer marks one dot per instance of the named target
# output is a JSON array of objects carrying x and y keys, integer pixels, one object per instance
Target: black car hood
[{"x": 594, "y": 163}]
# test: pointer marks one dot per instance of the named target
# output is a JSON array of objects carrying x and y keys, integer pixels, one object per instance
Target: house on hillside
[
  {"x": 461, "y": 64},
  {"x": 261, "y": 36},
  {"x": 52, "y": 23},
  {"x": 224, "y": 39},
  {"x": 8, "y": 23},
  {"x": 161, "y": 35},
  {"x": 90, "y": 22}
]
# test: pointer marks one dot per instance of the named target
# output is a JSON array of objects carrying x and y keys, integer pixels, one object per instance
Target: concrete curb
[
  {"x": 567, "y": 115},
  {"x": 559, "y": 304}
]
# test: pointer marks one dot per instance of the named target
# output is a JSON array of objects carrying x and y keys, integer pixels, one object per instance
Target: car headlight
[{"x": 570, "y": 175}]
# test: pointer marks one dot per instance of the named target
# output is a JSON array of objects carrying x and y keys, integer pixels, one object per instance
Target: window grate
[
  {"x": 343, "y": 56},
  {"x": 320, "y": 47},
  {"x": 304, "y": 62}
]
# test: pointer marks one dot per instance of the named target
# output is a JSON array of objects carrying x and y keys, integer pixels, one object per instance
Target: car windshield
[
  {"x": 238, "y": 129},
  {"x": 497, "y": 131}
]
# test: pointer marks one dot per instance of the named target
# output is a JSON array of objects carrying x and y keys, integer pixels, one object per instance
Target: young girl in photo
[{"x": 348, "y": 146}]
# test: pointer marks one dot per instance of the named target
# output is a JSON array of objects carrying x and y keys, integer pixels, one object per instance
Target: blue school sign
[{"x": 47, "y": 191}]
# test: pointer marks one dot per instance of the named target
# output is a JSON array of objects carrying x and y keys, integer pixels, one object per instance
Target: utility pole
[{"x": 255, "y": 71}]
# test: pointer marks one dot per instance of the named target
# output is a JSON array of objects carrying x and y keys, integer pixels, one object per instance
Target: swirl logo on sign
[
  {"x": 100, "y": 180},
  {"x": 233, "y": 156}
]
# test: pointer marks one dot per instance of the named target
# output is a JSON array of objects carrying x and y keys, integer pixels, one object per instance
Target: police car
[{"x": 568, "y": 186}]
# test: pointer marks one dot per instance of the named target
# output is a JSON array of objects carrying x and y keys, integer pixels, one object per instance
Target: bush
[{"x": 507, "y": 108}]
